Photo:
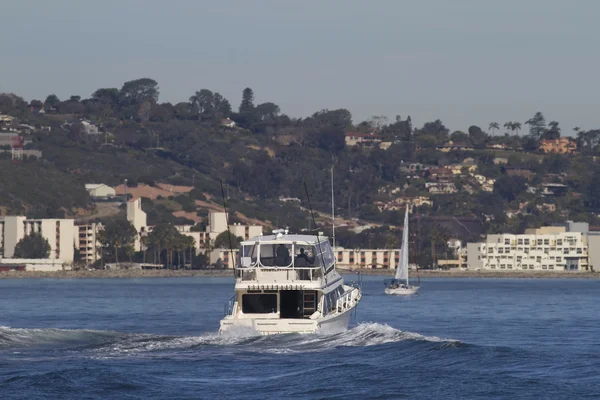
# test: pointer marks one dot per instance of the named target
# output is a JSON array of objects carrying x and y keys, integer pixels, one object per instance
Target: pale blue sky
[{"x": 463, "y": 61}]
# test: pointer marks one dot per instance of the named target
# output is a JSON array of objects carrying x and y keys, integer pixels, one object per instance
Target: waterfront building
[
  {"x": 87, "y": 243},
  {"x": 552, "y": 248},
  {"x": 58, "y": 232}
]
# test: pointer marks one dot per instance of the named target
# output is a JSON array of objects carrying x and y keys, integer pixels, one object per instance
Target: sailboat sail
[{"x": 402, "y": 270}]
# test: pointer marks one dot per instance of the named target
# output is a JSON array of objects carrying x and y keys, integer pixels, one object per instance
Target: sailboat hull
[{"x": 401, "y": 291}]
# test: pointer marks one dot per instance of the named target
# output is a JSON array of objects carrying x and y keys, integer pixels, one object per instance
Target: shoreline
[
  {"x": 481, "y": 274},
  {"x": 164, "y": 273}
]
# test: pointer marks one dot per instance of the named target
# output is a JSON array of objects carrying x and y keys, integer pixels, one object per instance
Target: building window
[
  {"x": 506, "y": 241},
  {"x": 526, "y": 241},
  {"x": 559, "y": 242},
  {"x": 520, "y": 241},
  {"x": 539, "y": 242},
  {"x": 500, "y": 250},
  {"x": 546, "y": 242}
]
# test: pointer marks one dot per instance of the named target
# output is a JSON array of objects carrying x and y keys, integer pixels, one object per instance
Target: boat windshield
[{"x": 285, "y": 255}]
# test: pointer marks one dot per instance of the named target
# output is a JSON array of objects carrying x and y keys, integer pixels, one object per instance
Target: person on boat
[
  {"x": 302, "y": 255},
  {"x": 283, "y": 255}
]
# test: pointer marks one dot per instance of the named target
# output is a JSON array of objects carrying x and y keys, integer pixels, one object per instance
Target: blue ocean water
[{"x": 156, "y": 338}]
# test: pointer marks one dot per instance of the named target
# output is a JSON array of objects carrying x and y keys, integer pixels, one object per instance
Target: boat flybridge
[{"x": 288, "y": 283}]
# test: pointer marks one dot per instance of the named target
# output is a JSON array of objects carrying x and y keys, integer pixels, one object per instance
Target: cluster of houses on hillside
[
  {"x": 15, "y": 137},
  {"x": 561, "y": 145}
]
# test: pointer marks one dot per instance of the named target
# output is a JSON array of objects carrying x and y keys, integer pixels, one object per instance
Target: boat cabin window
[
  {"x": 248, "y": 255},
  {"x": 276, "y": 255},
  {"x": 304, "y": 256},
  {"x": 259, "y": 303}
]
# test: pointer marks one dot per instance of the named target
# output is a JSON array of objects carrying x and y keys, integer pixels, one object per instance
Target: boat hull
[
  {"x": 400, "y": 291},
  {"x": 332, "y": 323}
]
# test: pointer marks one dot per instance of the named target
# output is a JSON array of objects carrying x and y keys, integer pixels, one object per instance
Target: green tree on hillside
[
  {"x": 138, "y": 91},
  {"x": 510, "y": 187},
  {"x": 553, "y": 131},
  {"x": 52, "y": 101},
  {"x": 537, "y": 125},
  {"x": 32, "y": 246}
]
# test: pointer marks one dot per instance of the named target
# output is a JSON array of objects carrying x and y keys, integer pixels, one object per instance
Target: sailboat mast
[
  {"x": 405, "y": 242},
  {"x": 332, "y": 212}
]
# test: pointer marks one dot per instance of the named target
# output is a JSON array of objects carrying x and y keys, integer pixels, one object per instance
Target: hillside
[{"x": 495, "y": 183}]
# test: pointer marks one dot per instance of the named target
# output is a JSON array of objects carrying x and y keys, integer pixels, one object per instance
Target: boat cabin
[
  {"x": 286, "y": 251},
  {"x": 286, "y": 276}
]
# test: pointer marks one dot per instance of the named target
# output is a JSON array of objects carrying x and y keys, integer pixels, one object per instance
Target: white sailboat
[{"x": 400, "y": 285}]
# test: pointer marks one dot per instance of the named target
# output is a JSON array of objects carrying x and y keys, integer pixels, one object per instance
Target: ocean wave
[
  {"x": 20, "y": 337},
  {"x": 111, "y": 344}
]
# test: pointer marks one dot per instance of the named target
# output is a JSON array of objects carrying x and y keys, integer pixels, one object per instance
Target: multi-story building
[
  {"x": 138, "y": 219},
  {"x": 58, "y": 232},
  {"x": 368, "y": 258},
  {"x": 544, "y": 249},
  {"x": 87, "y": 243},
  {"x": 217, "y": 224}
]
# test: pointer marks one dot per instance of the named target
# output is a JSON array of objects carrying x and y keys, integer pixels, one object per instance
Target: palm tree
[
  {"x": 437, "y": 235},
  {"x": 189, "y": 244},
  {"x": 509, "y": 125},
  {"x": 517, "y": 127},
  {"x": 494, "y": 126}
]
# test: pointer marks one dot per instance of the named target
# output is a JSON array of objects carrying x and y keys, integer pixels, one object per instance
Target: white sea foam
[{"x": 111, "y": 344}]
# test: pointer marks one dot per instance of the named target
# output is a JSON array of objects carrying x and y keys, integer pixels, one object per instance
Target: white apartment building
[
  {"x": 58, "y": 232},
  {"x": 544, "y": 249},
  {"x": 138, "y": 219},
  {"x": 87, "y": 243},
  {"x": 217, "y": 224}
]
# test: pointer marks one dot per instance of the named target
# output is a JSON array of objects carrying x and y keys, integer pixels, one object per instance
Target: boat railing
[
  {"x": 347, "y": 300},
  {"x": 292, "y": 273},
  {"x": 228, "y": 307}
]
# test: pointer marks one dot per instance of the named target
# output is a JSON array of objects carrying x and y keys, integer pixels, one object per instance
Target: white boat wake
[{"x": 118, "y": 344}]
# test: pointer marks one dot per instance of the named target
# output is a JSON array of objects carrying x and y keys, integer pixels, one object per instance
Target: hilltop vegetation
[{"x": 262, "y": 154}]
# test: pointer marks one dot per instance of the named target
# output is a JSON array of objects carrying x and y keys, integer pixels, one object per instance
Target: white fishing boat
[
  {"x": 400, "y": 285},
  {"x": 288, "y": 283}
]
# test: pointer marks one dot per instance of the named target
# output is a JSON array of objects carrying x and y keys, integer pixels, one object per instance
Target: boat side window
[
  {"x": 327, "y": 254},
  {"x": 304, "y": 256},
  {"x": 248, "y": 255},
  {"x": 283, "y": 254},
  {"x": 259, "y": 303},
  {"x": 267, "y": 255}
]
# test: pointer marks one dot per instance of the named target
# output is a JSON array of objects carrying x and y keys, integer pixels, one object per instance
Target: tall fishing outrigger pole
[{"x": 231, "y": 257}]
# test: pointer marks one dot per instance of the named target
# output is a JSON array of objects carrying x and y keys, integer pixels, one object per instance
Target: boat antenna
[
  {"x": 227, "y": 222},
  {"x": 312, "y": 214}
]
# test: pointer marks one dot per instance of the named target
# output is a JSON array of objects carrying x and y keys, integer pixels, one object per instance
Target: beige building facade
[{"x": 58, "y": 232}]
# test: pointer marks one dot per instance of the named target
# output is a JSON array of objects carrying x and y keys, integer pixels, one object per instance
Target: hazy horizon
[{"x": 465, "y": 62}]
